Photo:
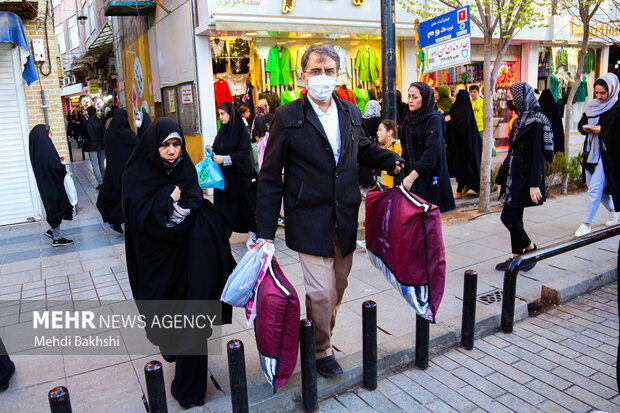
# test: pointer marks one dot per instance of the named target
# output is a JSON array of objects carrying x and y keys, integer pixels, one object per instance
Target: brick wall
[{"x": 50, "y": 85}]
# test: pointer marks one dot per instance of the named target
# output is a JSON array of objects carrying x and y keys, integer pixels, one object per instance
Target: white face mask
[
  {"x": 321, "y": 87},
  {"x": 138, "y": 123}
]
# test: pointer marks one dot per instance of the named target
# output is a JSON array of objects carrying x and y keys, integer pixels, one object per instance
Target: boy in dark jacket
[{"x": 92, "y": 134}]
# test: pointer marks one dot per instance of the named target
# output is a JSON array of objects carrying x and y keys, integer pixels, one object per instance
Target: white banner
[{"x": 456, "y": 52}]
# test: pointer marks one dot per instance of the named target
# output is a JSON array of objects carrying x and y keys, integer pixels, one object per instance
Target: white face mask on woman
[
  {"x": 138, "y": 122},
  {"x": 321, "y": 86}
]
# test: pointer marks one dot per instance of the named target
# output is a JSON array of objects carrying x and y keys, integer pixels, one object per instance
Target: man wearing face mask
[{"x": 318, "y": 140}]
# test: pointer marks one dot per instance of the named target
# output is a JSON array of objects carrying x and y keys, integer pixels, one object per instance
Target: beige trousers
[{"x": 325, "y": 280}]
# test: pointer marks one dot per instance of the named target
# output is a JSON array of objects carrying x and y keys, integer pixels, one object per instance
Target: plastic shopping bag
[
  {"x": 209, "y": 173},
  {"x": 241, "y": 282},
  {"x": 70, "y": 189}
]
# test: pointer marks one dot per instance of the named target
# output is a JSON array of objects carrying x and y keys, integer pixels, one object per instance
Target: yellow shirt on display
[{"x": 476, "y": 105}]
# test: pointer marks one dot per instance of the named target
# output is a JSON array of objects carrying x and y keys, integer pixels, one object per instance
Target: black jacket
[
  {"x": 92, "y": 134},
  {"x": 527, "y": 168},
  {"x": 610, "y": 148},
  {"x": 318, "y": 194},
  {"x": 424, "y": 147}
]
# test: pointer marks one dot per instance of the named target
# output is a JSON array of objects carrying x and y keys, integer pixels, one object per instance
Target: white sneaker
[
  {"x": 613, "y": 218},
  {"x": 583, "y": 230}
]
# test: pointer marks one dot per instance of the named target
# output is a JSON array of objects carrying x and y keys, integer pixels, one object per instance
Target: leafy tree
[{"x": 499, "y": 21}]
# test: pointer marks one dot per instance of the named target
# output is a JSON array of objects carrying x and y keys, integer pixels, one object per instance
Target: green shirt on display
[
  {"x": 280, "y": 66},
  {"x": 361, "y": 98}
]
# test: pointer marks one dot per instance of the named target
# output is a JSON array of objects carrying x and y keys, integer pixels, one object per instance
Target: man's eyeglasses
[{"x": 328, "y": 72}]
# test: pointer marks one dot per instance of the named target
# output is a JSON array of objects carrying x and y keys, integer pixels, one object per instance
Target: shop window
[
  {"x": 60, "y": 38},
  {"x": 74, "y": 35},
  {"x": 91, "y": 16},
  {"x": 179, "y": 104}
]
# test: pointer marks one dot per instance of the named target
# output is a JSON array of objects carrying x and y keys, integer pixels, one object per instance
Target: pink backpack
[
  {"x": 404, "y": 241},
  {"x": 277, "y": 326}
]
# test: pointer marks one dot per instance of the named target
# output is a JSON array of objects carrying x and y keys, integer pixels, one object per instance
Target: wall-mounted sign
[
  {"x": 172, "y": 104},
  {"x": 446, "y": 27},
  {"x": 186, "y": 94},
  {"x": 93, "y": 87},
  {"x": 442, "y": 56}
]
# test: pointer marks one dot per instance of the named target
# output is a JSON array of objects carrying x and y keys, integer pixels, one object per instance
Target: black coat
[
  {"x": 92, "y": 134},
  {"x": 120, "y": 142},
  {"x": 527, "y": 168},
  {"x": 318, "y": 194},
  {"x": 424, "y": 151},
  {"x": 551, "y": 109},
  {"x": 610, "y": 149},
  {"x": 49, "y": 173}
]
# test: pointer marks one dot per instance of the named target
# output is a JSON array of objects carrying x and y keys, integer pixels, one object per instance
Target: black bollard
[
  {"x": 369, "y": 343},
  {"x": 155, "y": 387},
  {"x": 238, "y": 383},
  {"x": 307, "y": 346},
  {"x": 468, "y": 326},
  {"x": 422, "y": 337},
  {"x": 59, "y": 400}
]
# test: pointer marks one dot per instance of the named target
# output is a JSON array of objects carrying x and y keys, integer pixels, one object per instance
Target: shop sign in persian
[
  {"x": 186, "y": 94},
  {"x": 450, "y": 54},
  {"x": 93, "y": 87},
  {"x": 172, "y": 104},
  {"x": 444, "y": 28}
]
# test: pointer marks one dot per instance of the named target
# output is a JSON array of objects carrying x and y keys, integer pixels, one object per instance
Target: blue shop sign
[{"x": 443, "y": 28}]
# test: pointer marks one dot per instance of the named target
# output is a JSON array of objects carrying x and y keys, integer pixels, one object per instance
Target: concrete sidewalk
[{"x": 94, "y": 269}]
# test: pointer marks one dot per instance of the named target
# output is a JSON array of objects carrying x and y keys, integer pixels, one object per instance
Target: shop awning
[
  {"x": 129, "y": 8},
  {"x": 24, "y": 9},
  {"x": 103, "y": 41},
  {"x": 12, "y": 31},
  {"x": 236, "y": 22}
]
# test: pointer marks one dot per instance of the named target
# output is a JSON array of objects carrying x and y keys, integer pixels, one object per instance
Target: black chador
[{"x": 175, "y": 250}]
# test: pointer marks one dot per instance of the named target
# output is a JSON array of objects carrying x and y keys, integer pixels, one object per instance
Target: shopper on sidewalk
[
  {"x": 7, "y": 368},
  {"x": 319, "y": 141},
  {"x": 387, "y": 135},
  {"x": 551, "y": 109},
  {"x": 92, "y": 134},
  {"x": 120, "y": 142},
  {"x": 49, "y": 173},
  {"x": 463, "y": 145},
  {"x": 142, "y": 122},
  {"x": 233, "y": 152},
  {"x": 424, "y": 148},
  {"x": 595, "y": 123},
  {"x": 177, "y": 249},
  {"x": 522, "y": 175}
]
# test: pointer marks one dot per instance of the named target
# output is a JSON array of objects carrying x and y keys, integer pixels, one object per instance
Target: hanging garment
[
  {"x": 222, "y": 92},
  {"x": 582, "y": 91},
  {"x": 219, "y": 55},
  {"x": 240, "y": 51},
  {"x": 288, "y": 96},
  {"x": 367, "y": 63},
  {"x": 561, "y": 59},
  {"x": 298, "y": 70},
  {"x": 554, "y": 87},
  {"x": 280, "y": 66},
  {"x": 361, "y": 98},
  {"x": 256, "y": 71},
  {"x": 343, "y": 93},
  {"x": 588, "y": 63},
  {"x": 343, "y": 72}
]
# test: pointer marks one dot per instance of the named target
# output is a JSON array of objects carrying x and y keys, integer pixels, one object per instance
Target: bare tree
[{"x": 499, "y": 21}]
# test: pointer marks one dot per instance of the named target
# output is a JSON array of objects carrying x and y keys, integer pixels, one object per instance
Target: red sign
[{"x": 462, "y": 15}]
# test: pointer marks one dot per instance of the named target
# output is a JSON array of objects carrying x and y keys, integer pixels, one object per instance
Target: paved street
[
  {"x": 93, "y": 269},
  {"x": 561, "y": 361}
]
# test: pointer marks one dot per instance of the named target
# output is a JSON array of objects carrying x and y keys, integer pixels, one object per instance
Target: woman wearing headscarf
[
  {"x": 119, "y": 143},
  {"x": 232, "y": 151},
  {"x": 49, "y": 173},
  {"x": 444, "y": 100},
  {"x": 423, "y": 142},
  {"x": 464, "y": 147},
  {"x": 177, "y": 249},
  {"x": 551, "y": 109},
  {"x": 142, "y": 122},
  {"x": 596, "y": 124},
  {"x": 522, "y": 175}
]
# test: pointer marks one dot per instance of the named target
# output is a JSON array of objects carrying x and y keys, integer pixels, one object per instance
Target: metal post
[
  {"x": 307, "y": 345},
  {"x": 470, "y": 286},
  {"x": 422, "y": 338},
  {"x": 155, "y": 387},
  {"x": 369, "y": 343},
  {"x": 59, "y": 400},
  {"x": 388, "y": 59},
  {"x": 510, "y": 294},
  {"x": 238, "y": 384}
]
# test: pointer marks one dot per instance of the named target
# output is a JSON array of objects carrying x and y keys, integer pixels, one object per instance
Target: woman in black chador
[
  {"x": 50, "y": 175},
  {"x": 464, "y": 147},
  {"x": 551, "y": 109},
  {"x": 119, "y": 141},
  {"x": 176, "y": 248},
  {"x": 423, "y": 142},
  {"x": 232, "y": 151}
]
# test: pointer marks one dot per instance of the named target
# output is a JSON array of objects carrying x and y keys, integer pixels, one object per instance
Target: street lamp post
[{"x": 388, "y": 59}]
